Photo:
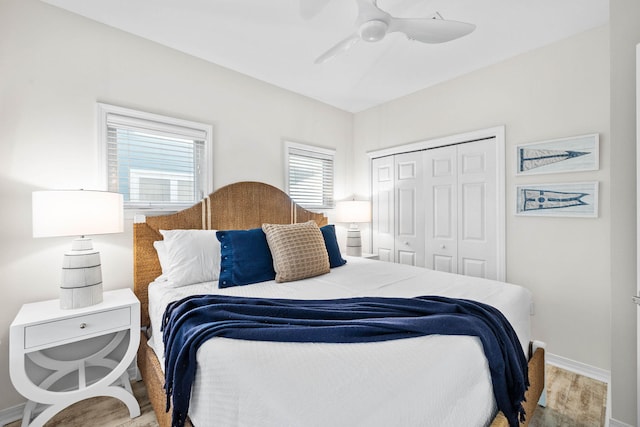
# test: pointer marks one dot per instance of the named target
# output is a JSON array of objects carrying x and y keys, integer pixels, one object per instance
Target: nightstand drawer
[{"x": 60, "y": 330}]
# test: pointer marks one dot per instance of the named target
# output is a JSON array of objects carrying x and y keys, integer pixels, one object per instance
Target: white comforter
[{"x": 427, "y": 381}]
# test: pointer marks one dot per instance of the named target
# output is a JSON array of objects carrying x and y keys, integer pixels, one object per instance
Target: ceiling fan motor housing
[{"x": 373, "y": 31}]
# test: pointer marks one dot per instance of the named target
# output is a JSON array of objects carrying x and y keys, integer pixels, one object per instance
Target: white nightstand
[
  {"x": 40, "y": 334},
  {"x": 370, "y": 256}
]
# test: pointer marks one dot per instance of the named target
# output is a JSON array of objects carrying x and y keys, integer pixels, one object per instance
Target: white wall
[
  {"x": 557, "y": 91},
  {"x": 54, "y": 67}
]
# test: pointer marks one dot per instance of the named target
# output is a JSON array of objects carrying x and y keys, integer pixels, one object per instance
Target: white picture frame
[
  {"x": 572, "y": 154},
  {"x": 575, "y": 199}
]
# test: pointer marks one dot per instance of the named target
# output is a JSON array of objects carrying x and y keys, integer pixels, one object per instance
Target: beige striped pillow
[{"x": 298, "y": 250}]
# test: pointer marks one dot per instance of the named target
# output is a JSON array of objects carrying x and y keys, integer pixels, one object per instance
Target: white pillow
[
  {"x": 161, "y": 248},
  {"x": 192, "y": 256}
]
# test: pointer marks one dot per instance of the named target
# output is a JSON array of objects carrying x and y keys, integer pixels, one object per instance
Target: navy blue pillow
[
  {"x": 245, "y": 258},
  {"x": 331, "y": 242}
]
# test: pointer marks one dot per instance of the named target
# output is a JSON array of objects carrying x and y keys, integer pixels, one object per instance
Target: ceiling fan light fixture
[
  {"x": 373, "y": 24},
  {"x": 373, "y": 31}
]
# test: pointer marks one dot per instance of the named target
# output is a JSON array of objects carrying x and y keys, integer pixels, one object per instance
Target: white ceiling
[{"x": 271, "y": 41}]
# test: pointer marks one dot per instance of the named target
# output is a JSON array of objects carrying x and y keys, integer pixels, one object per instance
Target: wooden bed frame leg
[{"x": 535, "y": 345}]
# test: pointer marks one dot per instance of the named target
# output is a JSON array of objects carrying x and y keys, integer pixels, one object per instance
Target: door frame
[
  {"x": 636, "y": 298},
  {"x": 498, "y": 134}
]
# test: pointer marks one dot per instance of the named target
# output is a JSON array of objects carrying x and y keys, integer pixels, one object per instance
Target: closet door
[
  {"x": 441, "y": 197},
  {"x": 383, "y": 214},
  {"x": 439, "y": 208},
  {"x": 461, "y": 223},
  {"x": 409, "y": 214},
  {"x": 477, "y": 207}
]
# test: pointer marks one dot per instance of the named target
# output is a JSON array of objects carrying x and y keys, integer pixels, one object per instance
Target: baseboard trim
[
  {"x": 593, "y": 372},
  {"x": 616, "y": 423},
  {"x": 12, "y": 414}
]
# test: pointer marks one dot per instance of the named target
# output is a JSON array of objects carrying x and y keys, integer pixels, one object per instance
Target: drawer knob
[{"x": 83, "y": 325}]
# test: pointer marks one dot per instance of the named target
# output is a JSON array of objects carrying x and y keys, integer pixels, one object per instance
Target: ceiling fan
[{"x": 373, "y": 24}]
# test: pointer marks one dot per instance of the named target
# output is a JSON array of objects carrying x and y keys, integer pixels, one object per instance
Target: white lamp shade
[
  {"x": 76, "y": 213},
  {"x": 353, "y": 211}
]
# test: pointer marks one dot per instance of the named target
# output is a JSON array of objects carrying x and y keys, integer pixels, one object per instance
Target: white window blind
[
  {"x": 154, "y": 161},
  {"x": 310, "y": 175}
]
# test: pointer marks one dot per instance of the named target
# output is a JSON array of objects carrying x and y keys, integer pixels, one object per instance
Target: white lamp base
[
  {"x": 81, "y": 284},
  {"x": 354, "y": 241},
  {"x": 86, "y": 296}
]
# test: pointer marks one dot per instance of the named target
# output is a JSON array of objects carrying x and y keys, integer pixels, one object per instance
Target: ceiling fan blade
[
  {"x": 430, "y": 30},
  {"x": 340, "y": 47},
  {"x": 310, "y": 8},
  {"x": 369, "y": 10}
]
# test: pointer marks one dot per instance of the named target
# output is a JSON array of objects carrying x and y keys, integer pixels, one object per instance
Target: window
[
  {"x": 310, "y": 175},
  {"x": 154, "y": 161}
]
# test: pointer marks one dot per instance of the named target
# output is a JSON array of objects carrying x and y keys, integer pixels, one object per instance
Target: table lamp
[
  {"x": 78, "y": 213},
  {"x": 353, "y": 212}
]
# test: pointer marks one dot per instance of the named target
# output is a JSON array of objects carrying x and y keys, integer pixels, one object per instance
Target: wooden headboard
[{"x": 238, "y": 206}]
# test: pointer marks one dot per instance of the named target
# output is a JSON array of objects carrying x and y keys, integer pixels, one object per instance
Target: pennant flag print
[
  {"x": 579, "y": 199},
  {"x": 543, "y": 199},
  {"x": 531, "y": 158},
  {"x": 578, "y": 153}
]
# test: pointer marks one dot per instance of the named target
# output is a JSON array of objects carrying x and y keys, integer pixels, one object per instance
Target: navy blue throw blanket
[{"x": 191, "y": 321}]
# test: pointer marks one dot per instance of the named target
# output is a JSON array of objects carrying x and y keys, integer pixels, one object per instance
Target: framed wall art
[
  {"x": 577, "y": 153},
  {"x": 576, "y": 199}
]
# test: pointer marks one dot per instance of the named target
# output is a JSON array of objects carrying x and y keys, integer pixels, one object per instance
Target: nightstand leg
[
  {"x": 49, "y": 412},
  {"x": 120, "y": 389}
]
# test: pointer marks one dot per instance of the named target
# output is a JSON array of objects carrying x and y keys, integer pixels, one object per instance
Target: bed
[{"x": 430, "y": 380}]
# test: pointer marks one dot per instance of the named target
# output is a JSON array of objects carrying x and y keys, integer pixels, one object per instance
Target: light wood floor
[{"x": 572, "y": 401}]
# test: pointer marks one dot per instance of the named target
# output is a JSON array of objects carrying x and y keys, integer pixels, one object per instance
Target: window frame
[
  {"x": 321, "y": 152},
  {"x": 103, "y": 112}
]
